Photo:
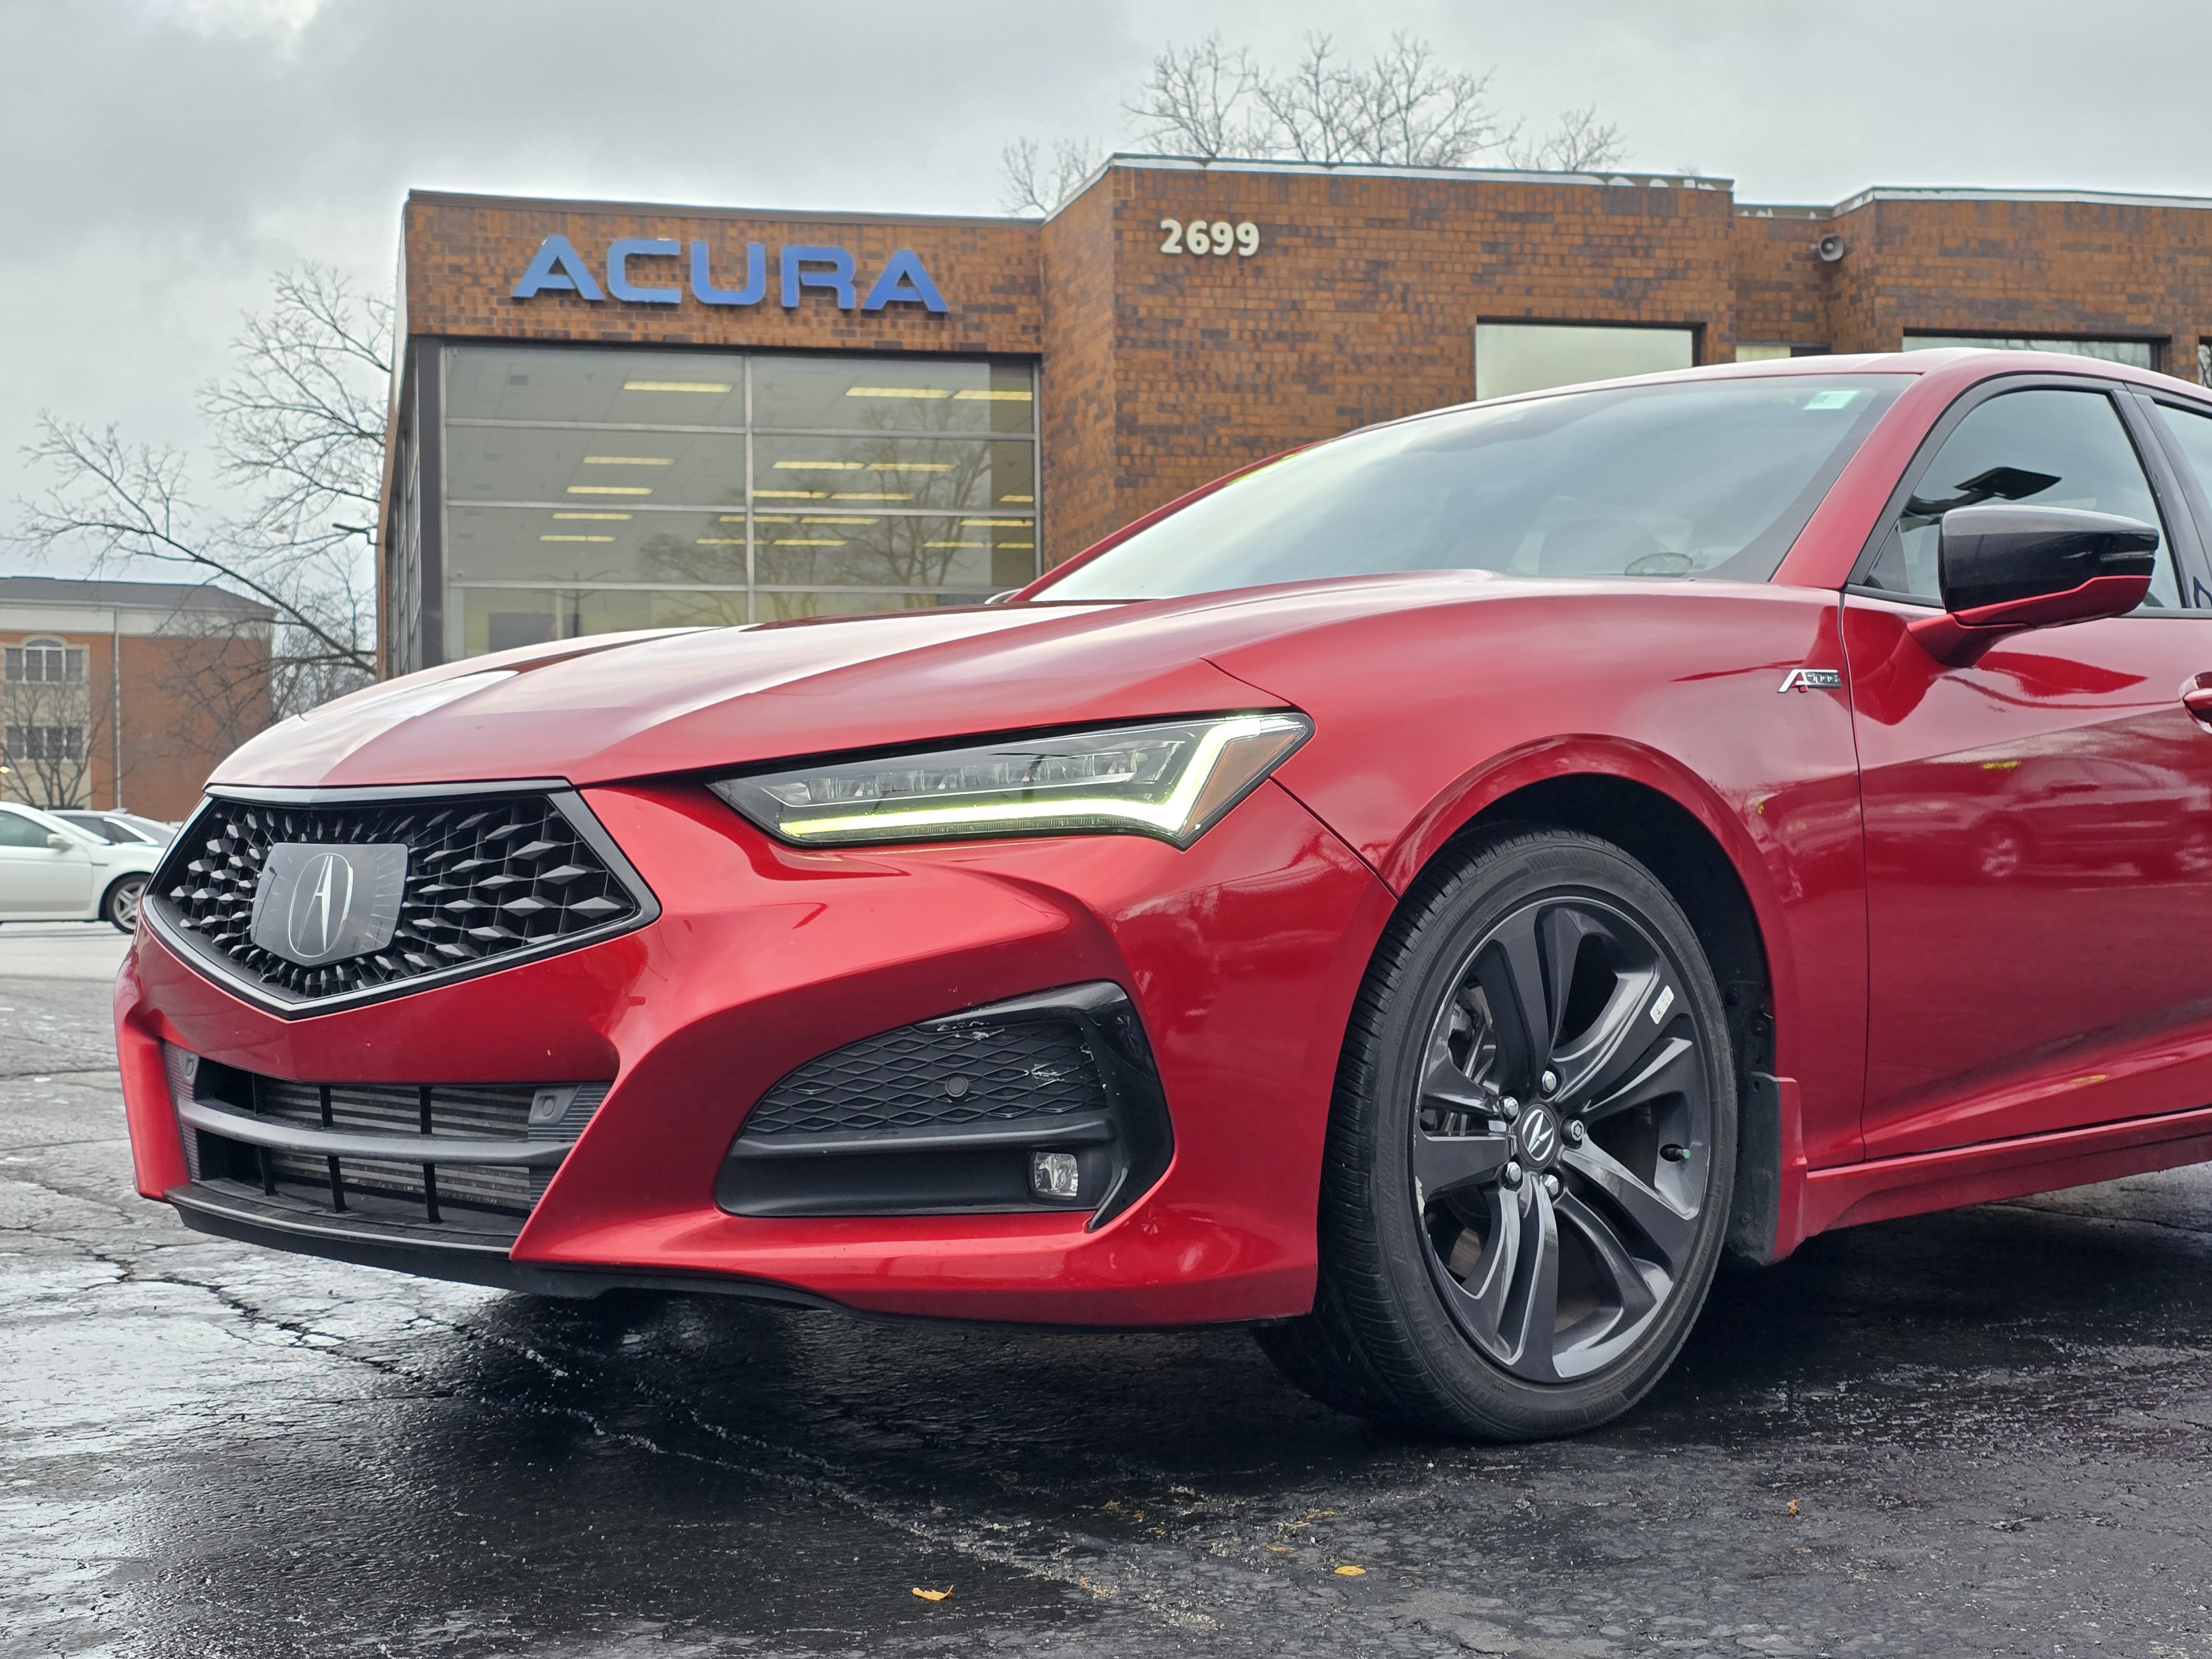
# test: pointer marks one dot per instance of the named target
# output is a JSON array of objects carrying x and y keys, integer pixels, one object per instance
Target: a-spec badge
[
  {"x": 317, "y": 903},
  {"x": 1812, "y": 679}
]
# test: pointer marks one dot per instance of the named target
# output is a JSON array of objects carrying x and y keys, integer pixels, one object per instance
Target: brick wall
[
  {"x": 463, "y": 255},
  {"x": 186, "y": 703},
  {"x": 1361, "y": 306},
  {"x": 2027, "y": 267},
  {"x": 1161, "y": 371}
]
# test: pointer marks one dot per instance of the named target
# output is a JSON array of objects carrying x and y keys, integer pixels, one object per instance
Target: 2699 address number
[{"x": 1216, "y": 236}]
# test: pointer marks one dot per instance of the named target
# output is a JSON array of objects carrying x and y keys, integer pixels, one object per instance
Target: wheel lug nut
[
  {"x": 1549, "y": 1082},
  {"x": 1552, "y": 1185},
  {"x": 1575, "y": 1132},
  {"x": 1509, "y": 1109},
  {"x": 1510, "y": 1174}
]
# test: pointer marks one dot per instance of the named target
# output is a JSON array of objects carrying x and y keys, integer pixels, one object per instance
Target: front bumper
[{"x": 1242, "y": 954}]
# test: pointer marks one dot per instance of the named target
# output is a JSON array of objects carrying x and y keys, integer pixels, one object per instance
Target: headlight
[{"x": 1172, "y": 779}]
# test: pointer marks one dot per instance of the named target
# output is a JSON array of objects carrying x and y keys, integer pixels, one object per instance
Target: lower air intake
[
  {"x": 1049, "y": 1102},
  {"x": 461, "y": 1165}
]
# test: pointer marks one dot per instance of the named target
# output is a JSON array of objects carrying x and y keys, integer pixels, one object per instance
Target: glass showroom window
[
  {"x": 1511, "y": 357},
  {"x": 2137, "y": 353},
  {"x": 590, "y": 490}
]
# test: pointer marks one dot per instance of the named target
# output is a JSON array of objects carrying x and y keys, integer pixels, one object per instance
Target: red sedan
[{"x": 1426, "y": 897}]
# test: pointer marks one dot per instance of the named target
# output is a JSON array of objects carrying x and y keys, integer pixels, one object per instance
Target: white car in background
[{"x": 53, "y": 871}]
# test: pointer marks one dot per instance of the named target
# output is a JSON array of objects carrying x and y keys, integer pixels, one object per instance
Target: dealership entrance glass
[{"x": 588, "y": 490}]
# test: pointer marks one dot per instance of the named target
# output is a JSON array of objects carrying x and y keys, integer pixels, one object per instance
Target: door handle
[{"x": 2196, "y": 698}]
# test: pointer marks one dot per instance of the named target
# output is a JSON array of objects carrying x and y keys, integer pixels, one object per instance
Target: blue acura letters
[{"x": 559, "y": 268}]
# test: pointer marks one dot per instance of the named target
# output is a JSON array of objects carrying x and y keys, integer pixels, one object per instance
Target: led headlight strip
[{"x": 1170, "y": 779}]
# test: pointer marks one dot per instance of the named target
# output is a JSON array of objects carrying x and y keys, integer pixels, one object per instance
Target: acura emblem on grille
[{"x": 318, "y": 903}]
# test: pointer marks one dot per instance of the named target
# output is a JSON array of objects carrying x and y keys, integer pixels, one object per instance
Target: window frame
[
  {"x": 2179, "y": 523},
  {"x": 72, "y": 656},
  {"x": 2187, "y": 484}
]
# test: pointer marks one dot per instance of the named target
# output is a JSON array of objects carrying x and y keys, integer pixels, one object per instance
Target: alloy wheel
[
  {"x": 123, "y": 906},
  {"x": 1561, "y": 1139}
]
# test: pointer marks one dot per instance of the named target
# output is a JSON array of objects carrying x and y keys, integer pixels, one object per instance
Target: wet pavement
[{"x": 1989, "y": 1432}]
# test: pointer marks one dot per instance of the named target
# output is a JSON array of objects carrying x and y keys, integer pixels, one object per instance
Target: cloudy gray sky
[{"x": 164, "y": 157}]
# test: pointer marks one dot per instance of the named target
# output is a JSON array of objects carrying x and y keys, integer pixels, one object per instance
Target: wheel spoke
[
  {"x": 1625, "y": 1290},
  {"x": 1668, "y": 1230},
  {"x": 1528, "y": 1327},
  {"x": 1512, "y": 1303},
  {"x": 1602, "y": 1056},
  {"x": 1445, "y": 1088},
  {"x": 1445, "y": 1163},
  {"x": 1483, "y": 1295},
  {"x": 1669, "y": 1066},
  {"x": 1517, "y": 981}
]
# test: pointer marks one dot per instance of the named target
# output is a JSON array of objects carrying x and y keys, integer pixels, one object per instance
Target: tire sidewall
[{"x": 1466, "y": 1388}]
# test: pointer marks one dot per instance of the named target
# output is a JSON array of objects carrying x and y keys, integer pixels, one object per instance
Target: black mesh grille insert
[
  {"x": 487, "y": 877},
  {"x": 916, "y": 1077}
]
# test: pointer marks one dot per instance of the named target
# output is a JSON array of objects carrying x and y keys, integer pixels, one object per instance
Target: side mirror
[
  {"x": 60, "y": 844},
  {"x": 2005, "y": 568}
]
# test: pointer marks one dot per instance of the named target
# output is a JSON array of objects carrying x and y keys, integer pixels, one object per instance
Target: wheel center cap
[{"x": 1538, "y": 1133}]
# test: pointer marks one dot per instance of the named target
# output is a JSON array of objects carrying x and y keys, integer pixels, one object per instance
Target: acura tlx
[{"x": 1424, "y": 896}]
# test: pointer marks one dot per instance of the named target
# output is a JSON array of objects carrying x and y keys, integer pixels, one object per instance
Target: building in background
[
  {"x": 125, "y": 695},
  {"x": 613, "y": 415}
]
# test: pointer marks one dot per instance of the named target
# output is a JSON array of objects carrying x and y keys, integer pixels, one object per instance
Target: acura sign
[
  {"x": 319, "y": 903},
  {"x": 559, "y": 268}
]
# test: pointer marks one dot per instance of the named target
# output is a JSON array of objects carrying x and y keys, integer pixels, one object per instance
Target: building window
[
  {"x": 45, "y": 662},
  {"x": 1511, "y": 357},
  {"x": 31, "y": 744},
  {"x": 2204, "y": 362},
  {"x": 588, "y": 490},
  {"x": 2136, "y": 354}
]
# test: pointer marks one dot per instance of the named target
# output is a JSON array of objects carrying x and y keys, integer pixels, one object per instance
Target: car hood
[{"x": 635, "y": 704}]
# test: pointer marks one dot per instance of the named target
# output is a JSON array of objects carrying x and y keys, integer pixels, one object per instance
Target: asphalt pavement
[{"x": 1984, "y": 1433}]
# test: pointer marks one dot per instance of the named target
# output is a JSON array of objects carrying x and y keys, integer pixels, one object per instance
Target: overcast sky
[{"x": 164, "y": 157}]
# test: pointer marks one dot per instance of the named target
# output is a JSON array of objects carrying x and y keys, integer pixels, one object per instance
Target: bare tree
[
  {"x": 1204, "y": 100},
  {"x": 1034, "y": 185},
  {"x": 1579, "y": 144},
  {"x": 299, "y": 429},
  {"x": 220, "y": 684},
  {"x": 1404, "y": 108}
]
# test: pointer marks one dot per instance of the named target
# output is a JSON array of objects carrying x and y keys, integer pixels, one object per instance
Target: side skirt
[{"x": 1853, "y": 1194}]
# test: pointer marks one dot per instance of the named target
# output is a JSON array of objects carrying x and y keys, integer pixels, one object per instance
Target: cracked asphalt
[{"x": 1988, "y": 1433}]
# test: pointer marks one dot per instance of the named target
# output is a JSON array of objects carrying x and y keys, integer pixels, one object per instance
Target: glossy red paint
[{"x": 1945, "y": 1028}]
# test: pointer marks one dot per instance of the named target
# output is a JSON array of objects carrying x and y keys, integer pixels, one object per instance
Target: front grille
[
  {"x": 488, "y": 878},
  {"x": 424, "y": 1180},
  {"x": 921, "y": 1078},
  {"x": 493, "y": 1192}
]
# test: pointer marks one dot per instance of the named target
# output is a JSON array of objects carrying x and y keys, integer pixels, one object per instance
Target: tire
[
  {"x": 1461, "y": 1293},
  {"x": 120, "y": 906}
]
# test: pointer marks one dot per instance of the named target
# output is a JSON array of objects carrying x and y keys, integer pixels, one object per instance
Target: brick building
[
  {"x": 75, "y": 732},
  {"x": 614, "y": 415}
]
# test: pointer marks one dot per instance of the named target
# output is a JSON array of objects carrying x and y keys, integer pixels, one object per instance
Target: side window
[
  {"x": 2193, "y": 432},
  {"x": 16, "y": 830},
  {"x": 2053, "y": 447}
]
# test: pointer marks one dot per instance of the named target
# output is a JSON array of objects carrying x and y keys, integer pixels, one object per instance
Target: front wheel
[
  {"x": 120, "y": 906},
  {"x": 1531, "y": 1151}
]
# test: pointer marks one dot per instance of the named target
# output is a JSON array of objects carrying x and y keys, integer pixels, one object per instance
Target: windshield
[{"x": 1711, "y": 478}]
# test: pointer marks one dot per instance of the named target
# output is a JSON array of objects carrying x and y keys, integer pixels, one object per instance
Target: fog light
[{"x": 1054, "y": 1174}]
